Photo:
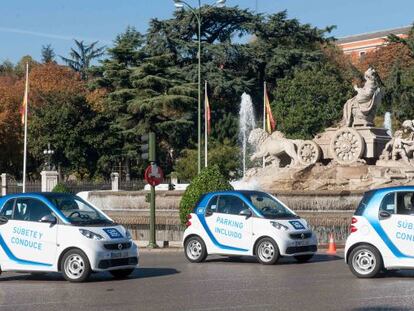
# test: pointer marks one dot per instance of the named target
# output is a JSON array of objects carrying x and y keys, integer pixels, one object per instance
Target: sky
[{"x": 26, "y": 25}]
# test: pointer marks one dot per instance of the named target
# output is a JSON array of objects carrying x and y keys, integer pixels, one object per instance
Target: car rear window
[{"x": 364, "y": 202}]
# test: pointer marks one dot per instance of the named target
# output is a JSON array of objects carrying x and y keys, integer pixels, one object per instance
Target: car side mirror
[
  {"x": 49, "y": 219},
  {"x": 384, "y": 215},
  {"x": 246, "y": 212},
  {"x": 208, "y": 212},
  {"x": 3, "y": 220}
]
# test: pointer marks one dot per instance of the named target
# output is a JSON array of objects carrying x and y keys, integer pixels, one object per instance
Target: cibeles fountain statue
[{"x": 354, "y": 155}]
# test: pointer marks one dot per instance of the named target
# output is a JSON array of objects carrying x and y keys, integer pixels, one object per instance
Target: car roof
[
  {"x": 394, "y": 188},
  {"x": 234, "y": 192}
]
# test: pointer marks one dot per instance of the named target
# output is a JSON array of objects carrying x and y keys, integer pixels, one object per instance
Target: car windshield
[
  {"x": 76, "y": 210},
  {"x": 268, "y": 206}
]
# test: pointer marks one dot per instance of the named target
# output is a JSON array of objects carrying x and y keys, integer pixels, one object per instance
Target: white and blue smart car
[
  {"x": 246, "y": 223},
  {"x": 50, "y": 232},
  {"x": 382, "y": 232}
]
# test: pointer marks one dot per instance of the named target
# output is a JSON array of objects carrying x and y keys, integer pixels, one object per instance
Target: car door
[
  {"x": 230, "y": 232},
  {"x": 396, "y": 217},
  {"x": 26, "y": 242}
]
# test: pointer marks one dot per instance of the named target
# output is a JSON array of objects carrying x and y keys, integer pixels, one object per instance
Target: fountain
[
  {"x": 246, "y": 124},
  {"x": 388, "y": 123}
]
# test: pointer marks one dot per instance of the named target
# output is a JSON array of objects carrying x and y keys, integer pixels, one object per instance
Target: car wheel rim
[
  {"x": 266, "y": 251},
  {"x": 364, "y": 262},
  {"x": 74, "y": 266},
  {"x": 194, "y": 249}
]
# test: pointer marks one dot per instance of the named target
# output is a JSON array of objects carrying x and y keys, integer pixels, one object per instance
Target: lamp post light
[
  {"x": 48, "y": 157},
  {"x": 180, "y": 4}
]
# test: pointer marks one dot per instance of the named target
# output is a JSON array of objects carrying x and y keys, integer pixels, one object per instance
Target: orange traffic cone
[{"x": 331, "y": 246}]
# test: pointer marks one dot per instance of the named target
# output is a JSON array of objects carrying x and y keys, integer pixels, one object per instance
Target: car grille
[
  {"x": 298, "y": 236},
  {"x": 115, "y": 246},
  {"x": 301, "y": 249},
  {"x": 109, "y": 263}
]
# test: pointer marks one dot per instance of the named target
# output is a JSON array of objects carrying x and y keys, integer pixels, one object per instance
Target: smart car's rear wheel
[
  {"x": 195, "y": 249},
  {"x": 121, "y": 274},
  {"x": 303, "y": 258},
  {"x": 75, "y": 266},
  {"x": 267, "y": 251},
  {"x": 365, "y": 261}
]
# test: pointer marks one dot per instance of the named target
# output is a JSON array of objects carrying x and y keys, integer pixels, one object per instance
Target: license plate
[
  {"x": 301, "y": 243},
  {"x": 116, "y": 255}
]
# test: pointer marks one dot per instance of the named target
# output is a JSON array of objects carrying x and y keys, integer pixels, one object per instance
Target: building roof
[{"x": 374, "y": 35}]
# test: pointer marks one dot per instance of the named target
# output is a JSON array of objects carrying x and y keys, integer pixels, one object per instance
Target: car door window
[
  {"x": 229, "y": 204},
  {"x": 388, "y": 203},
  {"x": 30, "y": 209},
  {"x": 7, "y": 210},
  {"x": 405, "y": 203}
]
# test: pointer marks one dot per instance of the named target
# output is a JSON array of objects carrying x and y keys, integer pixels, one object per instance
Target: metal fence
[
  {"x": 17, "y": 186},
  {"x": 85, "y": 185},
  {"x": 132, "y": 185}
]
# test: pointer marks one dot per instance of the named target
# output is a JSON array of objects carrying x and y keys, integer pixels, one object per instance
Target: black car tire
[
  {"x": 365, "y": 261},
  {"x": 195, "y": 249},
  {"x": 267, "y": 251},
  {"x": 75, "y": 266}
]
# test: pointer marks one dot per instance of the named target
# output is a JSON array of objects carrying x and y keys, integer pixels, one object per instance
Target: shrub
[
  {"x": 61, "y": 188},
  {"x": 209, "y": 179}
]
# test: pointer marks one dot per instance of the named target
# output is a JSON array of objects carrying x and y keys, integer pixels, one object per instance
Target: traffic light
[{"x": 147, "y": 147}]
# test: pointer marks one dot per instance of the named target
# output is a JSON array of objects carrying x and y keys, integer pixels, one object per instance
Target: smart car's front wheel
[
  {"x": 365, "y": 261},
  {"x": 195, "y": 249},
  {"x": 267, "y": 251},
  {"x": 75, "y": 266}
]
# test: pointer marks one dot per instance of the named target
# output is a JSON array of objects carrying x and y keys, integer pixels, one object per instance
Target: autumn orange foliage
[{"x": 385, "y": 58}]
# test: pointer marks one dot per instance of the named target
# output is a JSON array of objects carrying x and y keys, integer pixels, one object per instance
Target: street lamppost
[
  {"x": 48, "y": 157},
  {"x": 180, "y": 4}
]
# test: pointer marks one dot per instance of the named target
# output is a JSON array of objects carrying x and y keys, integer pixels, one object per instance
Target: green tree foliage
[
  {"x": 48, "y": 54},
  {"x": 82, "y": 55},
  {"x": 226, "y": 156},
  {"x": 72, "y": 128},
  {"x": 61, "y": 188},
  {"x": 309, "y": 100},
  {"x": 210, "y": 179}
]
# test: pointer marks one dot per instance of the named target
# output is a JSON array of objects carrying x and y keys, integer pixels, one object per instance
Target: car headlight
[
  {"x": 279, "y": 226},
  {"x": 91, "y": 235},
  {"x": 128, "y": 234}
]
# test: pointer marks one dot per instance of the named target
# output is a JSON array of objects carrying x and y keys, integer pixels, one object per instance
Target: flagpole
[
  {"x": 26, "y": 91},
  {"x": 264, "y": 113},
  {"x": 205, "y": 125}
]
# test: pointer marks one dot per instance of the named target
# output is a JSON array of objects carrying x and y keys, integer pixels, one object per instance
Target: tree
[
  {"x": 209, "y": 179},
  {"x": 48, "y": 55},
  {"x": 226, "y": 156},
  {"x": 310, "y": 100},
  {"x": 82, "y": 55},
  {"x": 113, "y": 78},
  {"x": 70, "y": 126}
]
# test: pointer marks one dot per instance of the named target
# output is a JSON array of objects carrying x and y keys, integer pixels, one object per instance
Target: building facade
[{"x": 357, "y": 46}]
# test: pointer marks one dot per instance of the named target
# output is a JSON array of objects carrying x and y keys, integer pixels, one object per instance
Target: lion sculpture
[{"x": 271, "y": 147}]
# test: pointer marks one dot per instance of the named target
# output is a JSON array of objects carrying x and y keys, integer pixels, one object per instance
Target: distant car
[
  {"x": 51, "y": 232},
  {"x": 382, "y": 232},
  {"x": 250, "y": 223}
]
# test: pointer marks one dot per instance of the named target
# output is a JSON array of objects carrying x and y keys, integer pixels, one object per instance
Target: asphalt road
[{"x": 166, "y": 281}]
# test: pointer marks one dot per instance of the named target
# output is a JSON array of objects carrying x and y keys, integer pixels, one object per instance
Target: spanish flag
[{"x": 270, "y": 123}]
